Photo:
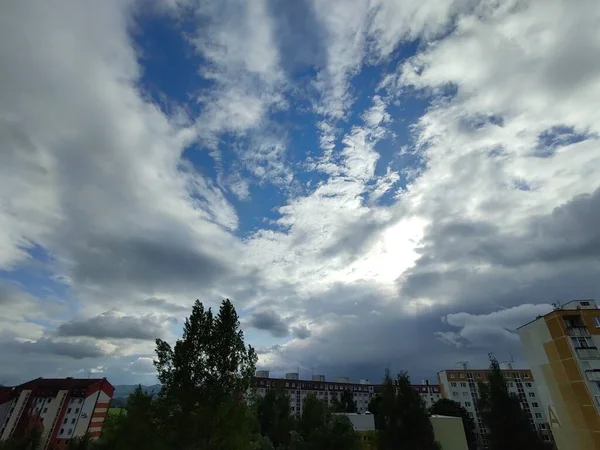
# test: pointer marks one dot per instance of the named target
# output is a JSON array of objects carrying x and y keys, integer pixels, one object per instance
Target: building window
[
  {"x": 45, "y": 410},
  {"x": 584, "y": 303},
  {"x": 287, "y": 384},
  {"x": 70, "y": 430},
  {"x": 581, "y": 342},
  {"x": 463, "y": 384},
  {"x": 455, "y": 394},
  {"x": 49, "y": 401},
  {"x": 528, "y": 384},
  {"x": 538, "y": 416},
  {"x": 466, "y": 394},
  {"x": 453, "y": 384},
  {"x": 542, "y": 426},
  {"x": 467, "y": 404},
  {"x": 65, "y": 421},
  {"x": 69, "y": 411},
  {"x": 451, "y": 375},
  {"x": 532, "y": 394},
  {"x": 62, "y": 430},
  {"x": 535, "y": 405},
  {"x": 72, "y": 421},
  {"x": 526, "y": 375},
  {"x": 71, "y": 401},
  {"x": 80, "y": 400},
  {"x": 477, "y": 375}
]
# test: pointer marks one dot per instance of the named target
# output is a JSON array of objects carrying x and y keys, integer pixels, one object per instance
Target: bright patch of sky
[{"x": 357, "y": 176}]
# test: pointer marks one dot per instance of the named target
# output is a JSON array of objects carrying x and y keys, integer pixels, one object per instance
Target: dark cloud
[
  {"x": 143, "y": 261},
  {"x": 270, "y": 321},
  {"x": 76, "y": 349},
  {"x": 301, "y": 332},
  {"x": 113, "y": 325},
  {"x": 468, "y": 261}
]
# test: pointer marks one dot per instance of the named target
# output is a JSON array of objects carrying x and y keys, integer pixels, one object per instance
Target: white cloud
[
  {"x": 93, "y": 175},
  {"x": 483, "y": 329}
]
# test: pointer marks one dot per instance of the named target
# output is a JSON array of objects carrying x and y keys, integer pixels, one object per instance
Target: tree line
[{"x": 208, "y": 402}]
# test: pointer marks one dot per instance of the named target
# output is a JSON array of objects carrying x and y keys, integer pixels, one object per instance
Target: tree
[
  {"x": 136, "y": 429},
  {"x": 508, "y": 424},
  {"x": 27, "y": 435},
  {"x": 447, "y": 407},
  {"x": 375, "y": 409},
  {"x": 345, "y": 403},
  {"x": 205, "y": 378},
  {"x": 405, "y": 421},
  {"x": 274, "y": 417},
  {"x": 320, "y": 429}
]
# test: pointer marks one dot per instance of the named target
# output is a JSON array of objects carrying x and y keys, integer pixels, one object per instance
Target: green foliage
[
  {"x": 403, "y": 418},
  {"x": 319, "y": 429},
  {"x": 375, "y": 409},
  {"x": 345, "y": 403},
  {"x": 508, "y": 424},
  {"x": 447, "y": 407},
  {"x": 204, "y": 379},
  {"x": 29, "y": 439},
  {"x": 275, "y": 418}
]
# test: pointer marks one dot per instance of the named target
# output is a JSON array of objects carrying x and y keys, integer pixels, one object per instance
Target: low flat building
[
  {"x": 364, "y": 426},
  {"x": 63, "y": 408},
  {"x": 449, "y": 432}
]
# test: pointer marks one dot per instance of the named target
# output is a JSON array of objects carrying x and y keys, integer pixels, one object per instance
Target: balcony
[
  {"x": 587, "y": 352},
  {"x": 593, "y": 375},
  {"x": 577, "y": 330}
]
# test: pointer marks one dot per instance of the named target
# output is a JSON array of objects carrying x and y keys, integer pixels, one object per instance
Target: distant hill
[{"x": 123, "y": 390}]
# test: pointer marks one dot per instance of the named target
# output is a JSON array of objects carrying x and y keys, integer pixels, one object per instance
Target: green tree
[
  {"x": 447, "y": 407},
  {"x": 375, "y": 409},
  {"x": 136, "y": 429},
  {"x": 508, "y": 424},
  {"x": 405, "y": 420},
  {"x": 274, "y": 417},
  {"x": 27, "y": 435},
  {"x": 30, "y": 440},
  {"x": 205, "y": 378},
  {"x": 320, "y": 429},
  {"x": 345, "y": 403}
]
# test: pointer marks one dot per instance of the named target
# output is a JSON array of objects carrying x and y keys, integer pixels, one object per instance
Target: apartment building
[
  {"x": 562, "y": 348},
  {"x": 62, "y": 408},
  {"x": 325, "y": 390},
  {"x": 462, "y": 386}
]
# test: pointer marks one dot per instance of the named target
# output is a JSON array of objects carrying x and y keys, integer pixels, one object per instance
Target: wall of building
[
  {"x": 4, "y": 415},
  {"x": 85, "y": 415},
  {"x": 16, "y": 413},
  {"x": 462, "y": 387},
  {"x": 326, "y": 391},
  {"x": 449, "y": 432},
  {"x": 572, "y": 412}
]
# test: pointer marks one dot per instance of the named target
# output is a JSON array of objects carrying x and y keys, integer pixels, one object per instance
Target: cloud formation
[
  {"x": 111, "y": 324},
  {"x": 349, "y": 173}
]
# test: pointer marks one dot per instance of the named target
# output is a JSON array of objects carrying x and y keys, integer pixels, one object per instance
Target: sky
[{"x": 373, "y": 183}]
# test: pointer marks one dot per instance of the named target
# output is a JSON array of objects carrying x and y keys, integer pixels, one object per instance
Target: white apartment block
[
  {"x": 363, "y": 391},
  {"x": 62, "y": 408},
  {"x": 462, "y": 387}
]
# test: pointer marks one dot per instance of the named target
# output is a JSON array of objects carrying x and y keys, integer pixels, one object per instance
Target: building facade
[
  {"x": 363, "y": 391},
  {"x": 62, "y": 408},
  {"x": 562, "y": 348},
  {"x": 462, "y": 387}
]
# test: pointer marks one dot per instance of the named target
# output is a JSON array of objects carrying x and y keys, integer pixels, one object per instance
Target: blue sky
[{"x": 373, "y": 183}]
